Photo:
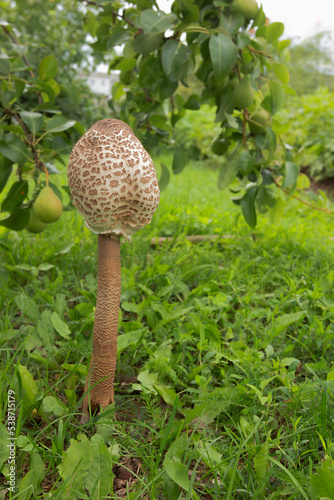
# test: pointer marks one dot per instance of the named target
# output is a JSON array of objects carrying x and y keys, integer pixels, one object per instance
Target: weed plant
[{"x": 224, "y": 383}]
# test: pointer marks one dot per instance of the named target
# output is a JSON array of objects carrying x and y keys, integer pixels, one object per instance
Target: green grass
[{"x": 224, "y": 384}]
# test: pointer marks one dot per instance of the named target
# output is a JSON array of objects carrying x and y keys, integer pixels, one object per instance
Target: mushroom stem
[{"x": 103, "y": 362}]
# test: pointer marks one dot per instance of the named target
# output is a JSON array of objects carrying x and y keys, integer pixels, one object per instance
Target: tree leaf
[
  {"x": 34, "y": 121},
  {"x": 277, "y": 96},
  {"x": 15, "y": 196},
  {"x": 281, "y": 72},
  {"x": 60, "y": 326},
  {"x": 145, "y": 44},
  {"x": 164, "y": 177},
  {"x": 223, "y": 53},
  {"x": 48, "y": 68},
  {"x": 156, "y": 22},
  {"x": 176, "y": 60},
  {"x": 229, "y": 170},
  {"x": 274, "y": 31},
  {"x": 291, "y": 174},
  {"x": 59, "y": 123},
  {"x": 17, "y": 220},
  {"x": 276, "y": 213},
  {"x": 179, "y": 160},
  {"x": 14, "y": 149},
  {"x": 248, "y": 206},
  {"x": 178, "y": 472}
]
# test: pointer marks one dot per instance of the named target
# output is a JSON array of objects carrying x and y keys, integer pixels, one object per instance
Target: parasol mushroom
[{"x": 114, "y": 186}]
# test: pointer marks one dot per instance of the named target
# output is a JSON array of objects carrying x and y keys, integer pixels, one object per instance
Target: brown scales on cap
[
  {"x": 109, "y": 161},
  {"x": 114, "y": 186}
]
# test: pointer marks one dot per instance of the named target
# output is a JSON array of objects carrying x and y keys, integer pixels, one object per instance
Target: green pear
[
  {"x": 243, "y": 95},
  {"x": 247, "y": 8},
  {"x": 219, "y": 145},
  {"x": 47, "y": 206},
  {"x": 260, "y": 119},
  {"x": 34, "y": 225}
]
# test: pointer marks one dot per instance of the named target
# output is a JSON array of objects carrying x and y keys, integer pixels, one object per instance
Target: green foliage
[
  {"x": 224, "y": 377},
  {"x": 308, "y": 123},
  {"x": 211, "y": 47}
]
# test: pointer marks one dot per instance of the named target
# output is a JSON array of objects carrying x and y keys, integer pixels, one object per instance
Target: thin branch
[
  {"x": 326, "y": 210},
  {"x": 259, "y": 52},
  {"x": 38, "y": 162},
  {"x": 114, "y": 13}
]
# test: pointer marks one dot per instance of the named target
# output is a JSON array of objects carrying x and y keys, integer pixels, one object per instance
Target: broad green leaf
[
  {"x": 98, "y": 479},
  {"x": 59, "y": 124},
  {"x": 156, "y": 22},
  {"x": 14, "y": 149},
  {"x": 16, "y": 195},
  {"x": 167, "y": 394},
  {"x": 277, "y": 94},
  {"x": 281, "y": 72},
  {"x": 52, "y": 405},
  {"x": 276, "y": 213},
  {"x": 189, "y": 11},
  {"x": 223, "y": 53},
  {"x": 261, "y": 462},
  {"x": 19, "y": 87},
  {"x": 4, "y": 450},
  {"x": 45, "y": 330},
  {"x": 4, "y": 174},
  {"x": 179, "y": 160},
  {"x": 303, "y": 182},
  {"x": 17, "y": 220},
  {"x": 126, "y": 339},
  {"x": 150, "y": 72},
  {"x": 60, "y": 326},
  {"x": 28, "y": 383},
  {"x": 286, "y": 320},
  {"x": 145, "y": 44},
  {"x": 164, "y": 177},
  {"x": 229, "y": 170},
  {"x": 31, "y": 483},
  {"x": 75, "y": 464},
  {"x": 4, "y": 67},
  {"x": 48, "y": 68},
  {"x": 178, "y": 472},
  {"x": 27, "y": 306},
  {"x": 176, "y": 60},
  {"x": 274, "y": 31},
  {"x": 322, "y": 485},
  {"x": 34, "y": 121},
  {"x": 248, "y": 206},
  {"x": 291, "y": 174}
]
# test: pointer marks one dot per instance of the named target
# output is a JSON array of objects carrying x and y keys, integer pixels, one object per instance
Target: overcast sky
[{"x": 302, "y": 18}]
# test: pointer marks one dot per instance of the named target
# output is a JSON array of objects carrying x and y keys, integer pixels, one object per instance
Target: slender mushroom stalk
[{"x": 114, "y": 186}]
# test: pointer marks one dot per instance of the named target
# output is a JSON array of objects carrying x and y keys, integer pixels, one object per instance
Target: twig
[
  {"x": 326, "y": 210},
  {"x": 25, "y": 60},
  {"x": 38, "y": 162},
  {"x": 113, "y": 12},
  {"x": 259, "y": 52}
]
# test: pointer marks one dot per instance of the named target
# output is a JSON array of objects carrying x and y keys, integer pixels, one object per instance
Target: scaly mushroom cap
[{"x": 112, "y": 179}]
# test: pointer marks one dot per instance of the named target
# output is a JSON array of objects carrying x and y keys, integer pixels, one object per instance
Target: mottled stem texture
[{"x": 103, "y": 362}]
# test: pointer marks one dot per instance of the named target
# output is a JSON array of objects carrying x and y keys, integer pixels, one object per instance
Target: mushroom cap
[{"x": 112, "y": 179}]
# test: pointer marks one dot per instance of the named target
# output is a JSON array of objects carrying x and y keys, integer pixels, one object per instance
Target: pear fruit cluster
[{"x": 46, "y": 209}]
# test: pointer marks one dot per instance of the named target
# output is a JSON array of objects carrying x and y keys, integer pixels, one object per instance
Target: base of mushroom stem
[{"x": 98, "y": 392}]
